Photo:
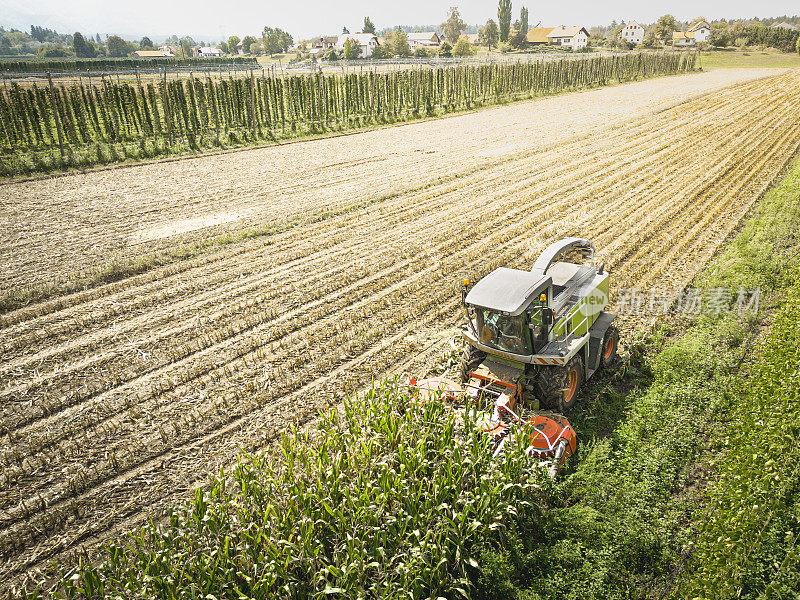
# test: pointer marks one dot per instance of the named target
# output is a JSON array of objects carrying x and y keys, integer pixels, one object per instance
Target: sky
[{"x": 208, "y": 20}]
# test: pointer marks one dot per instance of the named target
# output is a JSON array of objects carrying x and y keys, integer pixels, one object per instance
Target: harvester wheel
[
  {"x": 470, "y": 359},
  {"x": 558, "y": 387},
  {"x": 609, "y": 348}
]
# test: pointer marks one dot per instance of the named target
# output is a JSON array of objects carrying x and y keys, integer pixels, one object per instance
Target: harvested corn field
[{"x": 117, "y": 400}]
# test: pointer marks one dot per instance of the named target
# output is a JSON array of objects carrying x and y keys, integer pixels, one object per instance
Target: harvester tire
[
  {"x": 470, "y": 359},
  {"x": 558, "y": 387},
  {"x": 608, "y": 351}
]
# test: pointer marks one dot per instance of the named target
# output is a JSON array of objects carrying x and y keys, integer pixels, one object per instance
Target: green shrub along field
[
  {"x": 80, "y": 126},
  {"x": 684, "y": 485}
]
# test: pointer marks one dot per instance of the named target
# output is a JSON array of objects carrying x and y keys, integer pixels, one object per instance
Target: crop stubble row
[
  {"x": 103, "y": 215},
  {"x": 134, "y": 434}
]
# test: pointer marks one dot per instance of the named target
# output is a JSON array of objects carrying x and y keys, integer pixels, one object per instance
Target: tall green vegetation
[
  {"x": 489, "y": 34},
  {"x": 369, "y": 26},
  {"x": 504, "y": 18},
  {"x": 114, "y": 121},
  {"x": 453, "y": 26},
  {"x": 523, "y": 20},
  {"x": 383, "y": 500}
]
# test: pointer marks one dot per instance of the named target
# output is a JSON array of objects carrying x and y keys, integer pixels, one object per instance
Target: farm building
[
  {"x": 633, "y": 33},
  {"x": 151, "y": 54},
  {"x": 208, "y": 52},
  {"x": 367, "y": 41},
  {"x": 421, "y": 39},
  {"x": 537, "y": 36},
  {"x": 700, "y": 31},
  {"x": 574, "y": 37},
  {"x": 472, "y": 38},
  {"x": 683, "y": 39}
]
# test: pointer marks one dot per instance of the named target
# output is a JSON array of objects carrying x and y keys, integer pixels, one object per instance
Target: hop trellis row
[{"x": 111, "y": 121}]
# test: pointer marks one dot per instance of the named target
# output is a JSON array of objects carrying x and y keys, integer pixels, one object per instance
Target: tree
[
  {"x": 515, "y": 36},
  {"x": 719, "y": 37},
  {"x": 352, "y": 49},
  {"x": 223, "y": 46},
  {"x": 453, "y": 26},
  {"x": 146, "y": 43},
  {"x": 650, "y": 39},
  {"x": 380, "y": 52},
  {"x": 665, "y": 26},
  {"x": 52, "y": 51},
  {"x": 504, "y": 18},
  {"x": 463, "y": 48},
  {"x": 489, "y": 34},
  {"x": 523, "y": 19},
  {"x": 248, "y": 41},
  {"x": 420, "y": 52},
  {"x": 275, "y": 40},
  {"x": 345, "y": 30},
  {"x": 233, "y": 43},
  {"x": 797, "y": 47},
  {"x": 445, "y": 50},
  {"x": 97, "y": 39},
  {"x": 186, "y": 48},
  {"x": 81, "y": 48},
  {"x": 369, "y": 26},
  {"x": 117, "y": 46},
  {"x": 332, "y": 55},
  {"x": 397, "y": 42}
]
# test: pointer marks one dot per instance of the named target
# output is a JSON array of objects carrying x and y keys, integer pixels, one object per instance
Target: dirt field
[{"x": 116, "y": 401}]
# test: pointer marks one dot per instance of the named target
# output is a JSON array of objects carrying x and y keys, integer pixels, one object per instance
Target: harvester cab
[{"x": 543, "y": 332}]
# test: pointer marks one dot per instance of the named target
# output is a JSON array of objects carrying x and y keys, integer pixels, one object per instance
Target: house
[
  {"x": 325, "y": 43},
  {"x": 367, "y": 41},
  {"x": 169, "y": 51},
  {"x": 150, "y": 54},
  {"x": 785, "y": 25},
  {"x": 472, "y": 38},
  {"x": 701, "y": 31},
  {"x": 537, "y": 36},
  {"x": 209, "y": 52},
  {"x": 633, "y": 33},
  {"x": 681, "y": 39},
  {"x": 574, "y": 37},
  {"x": 422, "y": 39}
]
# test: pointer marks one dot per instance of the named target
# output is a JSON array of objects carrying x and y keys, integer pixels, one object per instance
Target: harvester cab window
[
  {"x": 539, "y": 331},
  {"x": 504, "y": 332}
]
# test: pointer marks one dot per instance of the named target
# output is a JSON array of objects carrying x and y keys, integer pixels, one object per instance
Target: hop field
[{"x": 118, "y": 399}]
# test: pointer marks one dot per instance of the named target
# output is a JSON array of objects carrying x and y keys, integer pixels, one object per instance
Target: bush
[{"x": 463, "y": 48}]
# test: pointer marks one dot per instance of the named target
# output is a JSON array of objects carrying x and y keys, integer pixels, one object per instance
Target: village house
[
  {"x": 700, "y": 31},
  {"x": 150, "y": 54},
  {"x": 423, "y": 39},
  {"x": 169, "y": 51},
  {"x": 367, "y": 41},
  {"x": 682, "y": 39},
  {"x": 208, "y": 52},
  {"x": 537, "y": 36},
  {"x": 574, "y": 37},
  {"x": 472, "y": 38},
  {"x": 633, "y": 33}
]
